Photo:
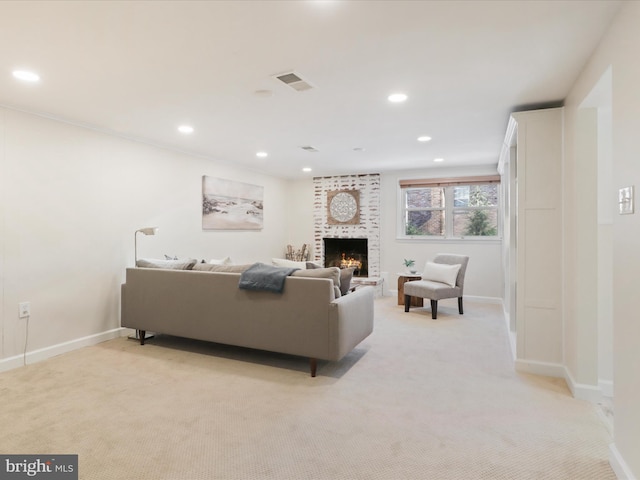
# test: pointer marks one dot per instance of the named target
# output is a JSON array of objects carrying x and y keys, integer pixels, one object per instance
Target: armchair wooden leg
[
  {"x": 407, "y": 302},
  {"x": 460, "y": 305},
  {"x": 434, "y": 309},
  {"x": 142, "y": 333},
  {"x": 313, "y": 366}
]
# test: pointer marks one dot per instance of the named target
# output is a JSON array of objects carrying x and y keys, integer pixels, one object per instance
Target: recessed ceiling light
[
  {"x": 262, "y": 154},
  {"x": 438, "y": 159},
  {"x": 397, "y": 97},
  {"x": 26, "y": 76},
  {"x": 186, "y": 129},
  {"x": 424, "y": 138},
  {"x": 306, "y": 169}
]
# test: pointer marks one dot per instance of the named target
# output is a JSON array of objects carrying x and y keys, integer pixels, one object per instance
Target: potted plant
[{"x": 410, "y": 265}]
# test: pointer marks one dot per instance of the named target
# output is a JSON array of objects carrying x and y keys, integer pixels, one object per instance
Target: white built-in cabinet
[{"x": 531, "y": 167}]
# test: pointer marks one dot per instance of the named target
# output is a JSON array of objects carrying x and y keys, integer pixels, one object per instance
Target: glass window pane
[
  {"x": 425, "y": 223},
  {"x": 461, "y": 196},
  {"x": 474, "y": 223},
  {"x": 483, "y": 195},
  {"x": 425, "y": 197}
]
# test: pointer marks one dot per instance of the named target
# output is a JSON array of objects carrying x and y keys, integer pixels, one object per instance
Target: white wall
[
  {"x": 589, "y": 317},
  {"x": 618, "y": 51},
  {"x": 300, "y": 200},
  {"x": 606, "y": 210},
  {"x": 581, "y": 286},
  {"x": 71, "y": 199},
  {"x": 484, "y": 274},
  {"x": 484, "y": 277}
]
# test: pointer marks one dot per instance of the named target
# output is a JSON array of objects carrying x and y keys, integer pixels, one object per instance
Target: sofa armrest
[{"x": 350, "y": 321}]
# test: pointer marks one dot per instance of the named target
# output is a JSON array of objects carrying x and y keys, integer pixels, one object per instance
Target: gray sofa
[{"x": 306, "y": 319}]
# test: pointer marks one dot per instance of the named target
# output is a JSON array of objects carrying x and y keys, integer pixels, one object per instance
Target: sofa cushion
[
  {"x": 333, "y": 273},
  {"x": 282, "y": 262},
  {"x": 346, "y": 274},
  {"x": 185, "y": 264},
  {"x": 440, "y": 272},
  {"x": 208, "y": 267}
]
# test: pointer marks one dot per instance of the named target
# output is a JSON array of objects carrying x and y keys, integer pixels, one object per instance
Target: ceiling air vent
[
  {"x": 309, "y": 148},
  {"x": 294, "y": 81}
]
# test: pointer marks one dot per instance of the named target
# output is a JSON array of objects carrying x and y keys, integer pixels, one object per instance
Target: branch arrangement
[{"x": 301, "y": 255}]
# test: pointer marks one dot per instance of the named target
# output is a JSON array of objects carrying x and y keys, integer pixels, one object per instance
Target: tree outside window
[{"x": 480, "y": 217}]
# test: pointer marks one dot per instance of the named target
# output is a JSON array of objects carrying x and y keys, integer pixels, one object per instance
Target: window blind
[{"x": 446, "y": 182}]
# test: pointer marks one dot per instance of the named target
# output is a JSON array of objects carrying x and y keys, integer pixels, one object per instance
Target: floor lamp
[{"x": 144, "y": 231}]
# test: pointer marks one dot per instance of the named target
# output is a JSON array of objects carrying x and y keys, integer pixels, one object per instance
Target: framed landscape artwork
[{"x": 229, "y": 205}]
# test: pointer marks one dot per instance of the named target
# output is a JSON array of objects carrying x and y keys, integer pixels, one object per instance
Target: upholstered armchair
[{"x": 442, "y": 278}]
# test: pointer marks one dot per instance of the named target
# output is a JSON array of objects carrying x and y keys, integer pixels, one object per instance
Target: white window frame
[{"x": 447, "y": 184}]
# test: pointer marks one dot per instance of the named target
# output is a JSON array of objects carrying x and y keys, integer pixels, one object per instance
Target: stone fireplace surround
[{"x": 368, "y": 186}]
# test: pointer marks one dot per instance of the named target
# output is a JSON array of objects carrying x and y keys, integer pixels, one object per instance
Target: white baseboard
[
  {"x": 54, "y": 350},
  {"x": 470, "y": 298},
  {"x": 619, "y": 466},
  {"x": 492, "y": 300},
  {"x": 607, "y": 387},
  {"x": 582, "y": 391},
  {"x": 512, "y": 343},
  {"x": 512, "y": 335},
  {"x": 540, "y": 368}
]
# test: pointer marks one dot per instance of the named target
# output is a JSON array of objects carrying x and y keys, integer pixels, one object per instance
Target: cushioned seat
[{"x": 442, "y": 278}]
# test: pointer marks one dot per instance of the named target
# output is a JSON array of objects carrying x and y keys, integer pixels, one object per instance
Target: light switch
[{"x": 625, "y": 200}]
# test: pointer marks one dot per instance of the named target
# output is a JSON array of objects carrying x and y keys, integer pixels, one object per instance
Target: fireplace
[{"x": 347, "y": 252}]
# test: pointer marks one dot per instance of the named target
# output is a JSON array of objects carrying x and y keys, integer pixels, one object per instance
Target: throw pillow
[
  {"x": 208, "y": 267},
  {"x": 186, "y": 264},
  {"x": 346, "y": 274},
  {"x": 311, "y": 265},
  {"x": 332, "y": 272},
  {"x": 441, "y": 272},
  {"x": 220, "y": 261},
  {"x": 282, "y": 262}
]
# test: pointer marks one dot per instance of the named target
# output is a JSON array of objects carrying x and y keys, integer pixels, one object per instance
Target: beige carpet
[{"x": 419, "y": 399}]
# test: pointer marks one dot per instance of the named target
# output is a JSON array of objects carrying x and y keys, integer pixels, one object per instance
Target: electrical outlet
[{"x": 25, "y": 309}]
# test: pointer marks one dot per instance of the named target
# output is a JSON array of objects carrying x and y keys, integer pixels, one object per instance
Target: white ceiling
[{"x": 140, "y": 69}]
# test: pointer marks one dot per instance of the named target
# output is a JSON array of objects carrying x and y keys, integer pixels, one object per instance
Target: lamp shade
[{"x": 148, "y": 230}]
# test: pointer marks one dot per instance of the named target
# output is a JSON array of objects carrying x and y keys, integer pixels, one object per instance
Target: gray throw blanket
[{"x": 260, "y": 276}]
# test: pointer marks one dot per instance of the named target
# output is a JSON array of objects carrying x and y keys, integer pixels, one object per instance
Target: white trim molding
[
  {"x": 54, "y": 350},
  {"x": 477, "y": 299},
  {"x": 619, "y": 466},
  {"x": 607, "y": 387},
  {"x": 540, "y": 368},
  {"x": 582, "y": 391}
]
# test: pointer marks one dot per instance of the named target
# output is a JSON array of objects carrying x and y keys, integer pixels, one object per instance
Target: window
[{"x": 449, "y": 208}]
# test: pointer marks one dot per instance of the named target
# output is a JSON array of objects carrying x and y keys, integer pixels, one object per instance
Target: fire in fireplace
[{"x": 347, "y": 253}]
